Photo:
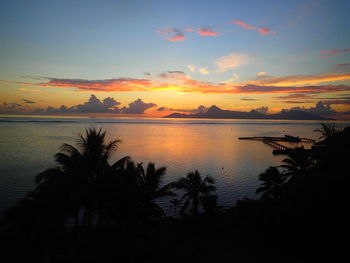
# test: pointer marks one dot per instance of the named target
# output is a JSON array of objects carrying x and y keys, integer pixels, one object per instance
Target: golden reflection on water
[{"x": 211, "y": 146}]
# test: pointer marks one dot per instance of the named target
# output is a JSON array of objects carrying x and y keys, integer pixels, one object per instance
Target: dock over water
[{"x": 279, "y": 148}]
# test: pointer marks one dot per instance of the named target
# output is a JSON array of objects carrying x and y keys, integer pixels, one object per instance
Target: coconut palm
[
  {"x": 90, "y": 158},
  {"x": 83, "y": 166},
  {"x": 272, "y": 180},
  {"x": 194, "y": 187},
  {"x": 210, "y": 204},
  {"x": 119, "y": 192},
  {"x": 150, "y": 186},
  {"x": 327, "y": 131},
  {"x": 133, "y": 192},
  {"x": 298, "y": 164}
]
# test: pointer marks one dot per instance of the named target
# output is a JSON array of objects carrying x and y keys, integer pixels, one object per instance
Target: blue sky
[{"x": 98, "y": 40}]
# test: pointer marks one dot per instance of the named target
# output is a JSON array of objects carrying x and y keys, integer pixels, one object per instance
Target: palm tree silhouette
[
  {"x": 90, "y": 158},
  {"x": 272, "y": 180},
  {"x": 195, "y": 187},
  {"x": 150, "y": 186},
  {"x": 327, "y": 131},
  {"x": 85, "y": 187},
  {"x": 210, "y": 204},
  {"x": 83, "y": 166},
  {"x": 298, "y": 164},
  {"x": 133, "y": 193}
]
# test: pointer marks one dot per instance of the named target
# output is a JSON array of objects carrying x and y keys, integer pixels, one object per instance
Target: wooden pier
[
  {"x": 286, "y": 138},
  {"x": 279, "y": 148}
]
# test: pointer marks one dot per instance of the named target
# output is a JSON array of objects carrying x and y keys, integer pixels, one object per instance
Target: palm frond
[
  {"x": 209, "y": 179},
  {"x": 121, "y": 163},
  {"x": 63, "y": 159},
  {"x": 47, "y": 175},
  {"x": 262, "y": 189},
  {"x": 111, "y": 147},
  {"x": 69, "y": 149}
]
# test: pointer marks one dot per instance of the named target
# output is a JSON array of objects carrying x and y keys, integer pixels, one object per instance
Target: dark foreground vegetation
[{"x": 88, "y": 210}]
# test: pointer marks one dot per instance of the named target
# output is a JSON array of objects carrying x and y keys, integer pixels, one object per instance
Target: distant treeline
[{"x": 87, "y": 209}]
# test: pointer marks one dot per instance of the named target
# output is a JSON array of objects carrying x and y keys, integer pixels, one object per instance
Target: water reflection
[{"x": 211, "y": 146}]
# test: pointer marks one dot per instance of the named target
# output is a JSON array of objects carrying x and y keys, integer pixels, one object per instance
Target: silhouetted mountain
[
  {"x": 215, "y": 112},
  {"x": 295, "y": 115}
]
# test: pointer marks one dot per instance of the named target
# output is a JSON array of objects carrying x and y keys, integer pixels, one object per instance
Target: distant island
[{"x": 215, "y": 112}]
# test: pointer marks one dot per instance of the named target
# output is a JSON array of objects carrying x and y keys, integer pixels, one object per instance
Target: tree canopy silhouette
[
  {"x": 272, "y": 180},
  {"x": 194, "y": 187},
  {"x": 301, "y": 210}
]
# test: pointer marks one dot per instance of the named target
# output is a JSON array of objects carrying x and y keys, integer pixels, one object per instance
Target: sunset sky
[{"x": 158, "y": 57}]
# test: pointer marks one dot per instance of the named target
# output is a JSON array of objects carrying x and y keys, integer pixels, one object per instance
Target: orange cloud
[
  {"x": 301, "y": 79},
  {"x": 207, "y": 32},
  {"x": 262, "y": 74},
  {"x": 295, "y": 96},
  {"x": 178, "y": 80},
  {"x": 261, "y": 30},
  {"x": 204, "y": 71},
  {"x": 30, "y": 90},
  {"x": 256, "y": 89}
]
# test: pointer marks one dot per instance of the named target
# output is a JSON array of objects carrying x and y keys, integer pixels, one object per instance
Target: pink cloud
[
  {"x": 291, "y": 89},
  {"x": 107, "y": 85},
  {"x": 207, "y": 32},
  {"x": 244, "y": 25},
  {"x": 261, "y": 30},
  {"x": 164, "y": 31},
  {"x": 333, "y": 52},
  {"x": 265, "y": 31},
  {"x": 176, "y": 38},
  {"x": 341, "y": 65},
  {"x": 172, "y": 34}
]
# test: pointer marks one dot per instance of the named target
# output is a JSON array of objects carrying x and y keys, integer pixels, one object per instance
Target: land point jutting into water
[{"x": 88, "y": 209}]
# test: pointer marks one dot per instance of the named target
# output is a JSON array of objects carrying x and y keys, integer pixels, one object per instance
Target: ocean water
[{"x": 28, "y": 145}]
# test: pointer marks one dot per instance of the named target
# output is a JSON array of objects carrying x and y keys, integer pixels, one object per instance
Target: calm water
[{"x": 27, "y": 147}]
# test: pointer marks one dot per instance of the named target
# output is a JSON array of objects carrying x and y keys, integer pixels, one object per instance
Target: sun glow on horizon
[{"x": 139, "y": 62}]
